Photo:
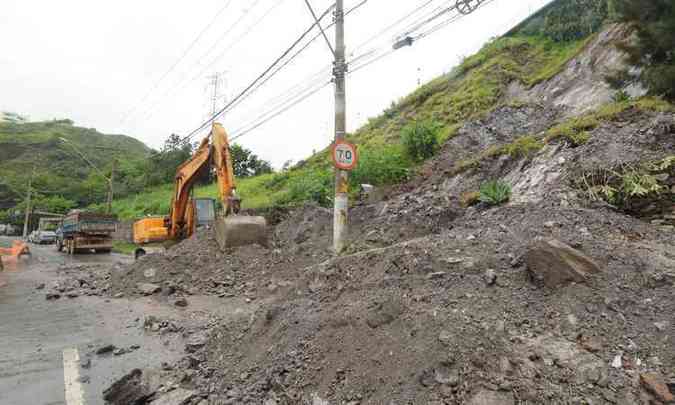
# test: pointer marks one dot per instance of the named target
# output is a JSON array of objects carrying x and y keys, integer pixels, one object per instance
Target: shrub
[
  {"x": 420, "y": 140},
  {"x": 621, "y": 96},
  {"x": 524, "y": 146},
  {"x": 495, "y": 192},
  {"x": 380, "y": 166},
  {"x": 315, "y": 185}
]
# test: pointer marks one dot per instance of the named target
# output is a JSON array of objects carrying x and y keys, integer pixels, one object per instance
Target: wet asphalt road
[{"x": 36, "y": 336}]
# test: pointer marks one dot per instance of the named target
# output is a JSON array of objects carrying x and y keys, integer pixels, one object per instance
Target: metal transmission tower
[{"x": 216, "y": 83}]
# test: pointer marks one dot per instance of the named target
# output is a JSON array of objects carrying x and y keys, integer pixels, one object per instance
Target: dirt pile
[
  {"x": 435, "y": 303},
  {"x": 555, "y": 297}
]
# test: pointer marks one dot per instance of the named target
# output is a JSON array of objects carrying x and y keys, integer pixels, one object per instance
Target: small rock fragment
[
  {"x": 52, "y": 296},
  {"x": 490, "y": 277},
  {"x": 180, "y": 302},
  {"x": 148, "y": 289},
  {"x": 109, "y": 348},
  {"x": 655, "y": 385}
]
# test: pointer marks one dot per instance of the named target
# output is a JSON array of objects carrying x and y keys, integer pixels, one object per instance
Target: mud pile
[{"x": 438, "y": 303}]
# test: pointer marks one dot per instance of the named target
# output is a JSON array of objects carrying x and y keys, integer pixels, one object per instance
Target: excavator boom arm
[
  {"x": 222, "y": 161},
  {"x": 185, "y": 178}
]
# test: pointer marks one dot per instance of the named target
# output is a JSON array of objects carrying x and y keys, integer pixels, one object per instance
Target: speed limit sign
[{"x": 345, "y": 156}]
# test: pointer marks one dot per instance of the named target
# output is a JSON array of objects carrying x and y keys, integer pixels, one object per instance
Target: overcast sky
[{"x": 100, "y": 63}]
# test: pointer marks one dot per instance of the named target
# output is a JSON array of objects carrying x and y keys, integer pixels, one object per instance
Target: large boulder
[{"x": 554, "y": 263}]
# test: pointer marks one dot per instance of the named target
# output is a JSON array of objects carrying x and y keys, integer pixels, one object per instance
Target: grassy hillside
[
  {"x": 473, "y": 88},
  {"x": 63, "y": 179},
  {"x": 532, "y": 52}
]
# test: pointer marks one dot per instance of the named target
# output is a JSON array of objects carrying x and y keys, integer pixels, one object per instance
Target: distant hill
[{"x": 62, "y": 177}]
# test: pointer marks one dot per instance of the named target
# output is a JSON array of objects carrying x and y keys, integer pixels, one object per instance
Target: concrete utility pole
[
  {"x": 28, "y": 207},
  {"x": 340, "y": 215},
  {"x": 111, "y": 182}
]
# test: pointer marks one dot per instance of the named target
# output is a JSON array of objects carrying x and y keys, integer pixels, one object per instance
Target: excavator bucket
[{"x": 235, "y": 230}]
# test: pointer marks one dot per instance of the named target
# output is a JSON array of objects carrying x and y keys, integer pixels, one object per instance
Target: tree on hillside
[
  {"x": 163, "y": 164},
  {"x": 12, "y": 117},
  {"x": 654, "y": 49},
  {"x": 245, "y": 163}
]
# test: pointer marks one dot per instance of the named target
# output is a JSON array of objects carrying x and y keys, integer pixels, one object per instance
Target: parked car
[{"x": 40, "y": 237}]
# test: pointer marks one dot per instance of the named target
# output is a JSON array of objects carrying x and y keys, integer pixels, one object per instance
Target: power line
[
  {"x": 305, "y": 83},
  {"x": 257, "y": 80},
  {"x": 184, "y": 81},
  {"x": 294, "y": 100},
  {"x": 179, "y": 60}
]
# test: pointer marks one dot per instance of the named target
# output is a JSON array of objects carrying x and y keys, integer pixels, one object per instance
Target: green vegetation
[
  {"x": 392, "y": 145},
  {"x": 495, "y": 192},
  {"x": 62, "y": 178},
  {"x": 619, "y": 186},
  {"x": 567, "y": 20},
  {"x": 420, "y": 140},
  {"x": 124, "y": 248},
  {"x": 524, "y": 146},
  {"x": 654, "y": 24}
]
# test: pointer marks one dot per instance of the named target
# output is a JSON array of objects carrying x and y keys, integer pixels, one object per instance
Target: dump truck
[{"x": 85, "y": 232}]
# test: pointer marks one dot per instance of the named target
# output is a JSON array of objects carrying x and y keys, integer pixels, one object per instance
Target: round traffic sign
[{"x": 345, "y": 156}]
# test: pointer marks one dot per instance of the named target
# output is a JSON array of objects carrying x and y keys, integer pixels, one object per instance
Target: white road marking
[{"x": 71, "y": 377}]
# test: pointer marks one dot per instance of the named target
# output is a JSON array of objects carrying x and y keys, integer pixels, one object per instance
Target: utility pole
[
  {"x": 28, "y": 207},
  {"x": 341, "y": 208},
  {"x": 111, "y": 182}
]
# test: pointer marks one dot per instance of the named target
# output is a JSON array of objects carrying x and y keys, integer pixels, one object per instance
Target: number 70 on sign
[{"x": 345, "y": 155}]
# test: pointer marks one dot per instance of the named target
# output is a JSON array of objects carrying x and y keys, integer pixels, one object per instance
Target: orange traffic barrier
[{"x": 18, "y": 248}]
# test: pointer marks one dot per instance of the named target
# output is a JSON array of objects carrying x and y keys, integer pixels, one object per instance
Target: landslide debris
[{"x": 555, "y": 297}]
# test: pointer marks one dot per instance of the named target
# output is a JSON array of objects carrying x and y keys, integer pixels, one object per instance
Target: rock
[
  {"x": 490, "y": 277},
  {"x": 105, "y": 349},
  {"x": 148, "y": 289},
  {"x": 52, "y": 296},
  {"x": 72, "y": 294},
  {"x": 195, "y": 343},
  {"x": 550, "y": 224},
  {"x": 84, "y": 379},
  {"x": 40, "y": 286},
  {"x": 444, "y": 376},
  {"x": 590, "y": 343},
  {"x": 149, "y": 273},
  {"x": 317, "y": 400},
  {"x": 384, "y": 313},
  {"x": 118, "y": 295},
  {"x": 119, "y": 352},
  {"x": 485, "y": 397},
  {"x": 555, "y": 263},
  {"x": 178, "y": 396},
  {"x": 661, "y": 326},
  {"x": 655, "y": 384},
  {"x": 180, "y": 302},
  {"x": 618, "y": 361},
  {"x": 136, "y": 387},
  {"x": 445, "y": 337},
  {"x": 85, "y": 364},
  {"x": 436, "y": 275}
]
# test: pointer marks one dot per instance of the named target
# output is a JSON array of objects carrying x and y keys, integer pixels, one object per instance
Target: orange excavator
[{"x": 187, "y": 213}]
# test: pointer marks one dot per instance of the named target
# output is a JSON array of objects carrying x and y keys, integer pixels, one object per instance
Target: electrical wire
[
  {"x": 258, "y": 79},
  {"x": 182, "y": 83},
  {"x": 293, "y": 101},
  {"x": 179, "y": 60}
]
